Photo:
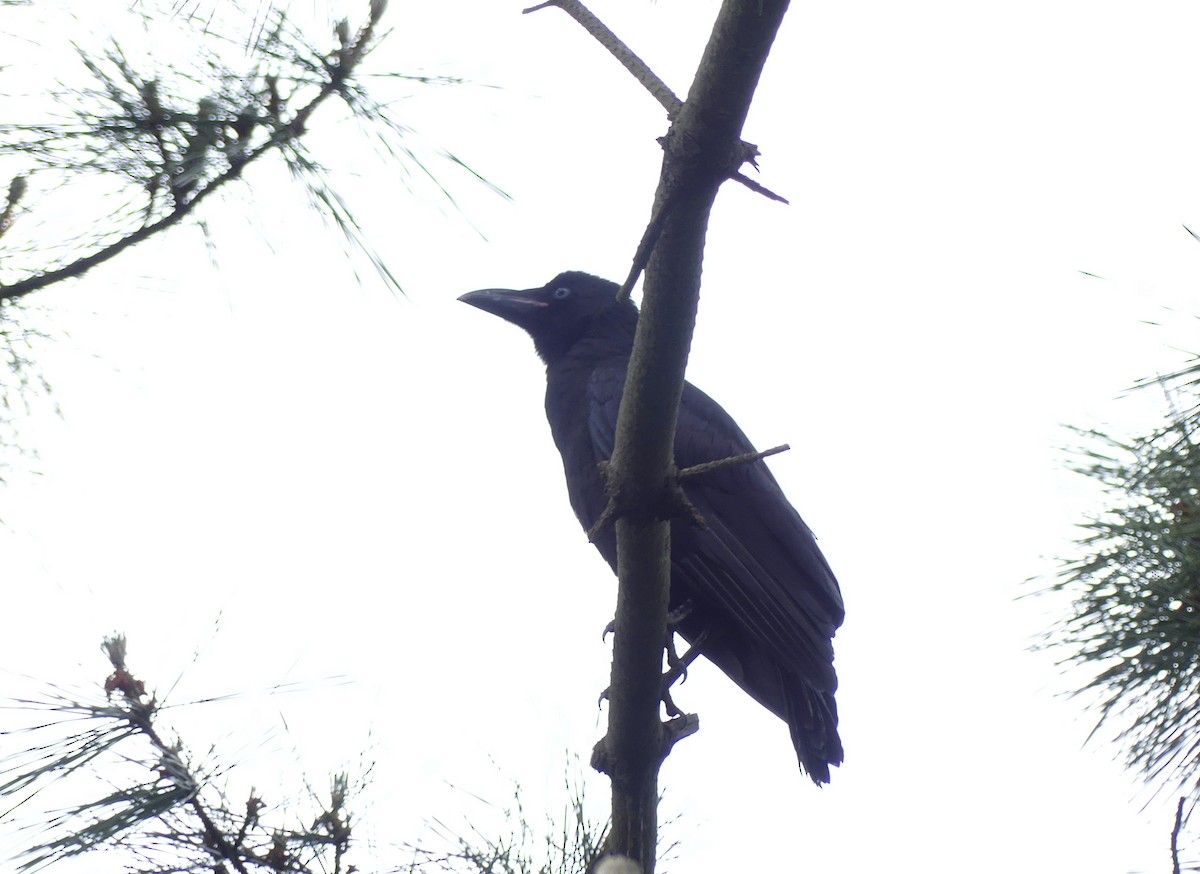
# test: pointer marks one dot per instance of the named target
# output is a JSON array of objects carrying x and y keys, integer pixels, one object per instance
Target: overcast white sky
[{"x": 346, "y": 483}]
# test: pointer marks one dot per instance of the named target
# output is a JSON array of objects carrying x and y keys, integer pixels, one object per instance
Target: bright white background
[{"x": 341, "y": 482}]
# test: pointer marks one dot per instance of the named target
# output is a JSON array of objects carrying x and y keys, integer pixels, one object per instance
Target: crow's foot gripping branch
[
  {"x": 677, "y": 664},
  {"x": 674, "y": 618},
  {"x": 677, "y": 668}
]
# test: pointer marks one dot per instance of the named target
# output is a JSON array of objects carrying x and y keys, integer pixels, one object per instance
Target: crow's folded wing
[{"x": 756, "y": 563}]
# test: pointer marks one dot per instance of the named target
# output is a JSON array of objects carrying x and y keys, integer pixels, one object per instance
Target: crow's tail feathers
[{"x": 812, "y": 720}]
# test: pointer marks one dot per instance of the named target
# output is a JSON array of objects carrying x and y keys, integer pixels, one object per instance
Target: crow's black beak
[{"x": 507, "y": 303}]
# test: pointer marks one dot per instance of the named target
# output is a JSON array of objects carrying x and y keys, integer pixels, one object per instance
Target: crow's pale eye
[{"x": 562, "y": 293}]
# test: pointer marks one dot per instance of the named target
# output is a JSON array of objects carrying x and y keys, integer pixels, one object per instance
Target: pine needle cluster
[
  {"x": 1134, "y": 624},
  {"x": 154, "y": 803}
]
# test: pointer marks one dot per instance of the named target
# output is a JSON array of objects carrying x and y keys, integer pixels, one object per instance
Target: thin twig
[
  {"x": 745, "y": 458},
  {"x": 1175, "y": 836},
  {"x": 757, "y": 187},
  {"x": 645, "y": 249},
  {"x": 635, "y": 65},
  {"x": 606, "y": 519},
  {"x": 641, "y": 257}
]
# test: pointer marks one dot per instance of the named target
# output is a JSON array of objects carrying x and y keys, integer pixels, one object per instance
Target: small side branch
[
  {"x": 673, "y": 731},
  {"x": 641, "y": 257},
  {"x": 645, "y": 249},
  {"x": 635, "y": 65},
  {"x": 757, "y": 188},
  {"x": 677, "y": 499},
  {"x": 1175, "y": 836},
  {"x": 720, "y": 463}
]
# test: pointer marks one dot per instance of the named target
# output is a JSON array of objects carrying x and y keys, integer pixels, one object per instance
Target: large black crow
[{"x": 762, "y": 598}]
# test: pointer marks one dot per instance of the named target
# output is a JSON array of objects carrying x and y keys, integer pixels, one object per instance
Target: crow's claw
[
  {"x": 674, "y": 617},
  {"x": 677, "y": 665}
]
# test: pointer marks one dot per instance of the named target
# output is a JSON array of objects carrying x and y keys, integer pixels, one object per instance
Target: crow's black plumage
[{"x": 754, "y": 576}]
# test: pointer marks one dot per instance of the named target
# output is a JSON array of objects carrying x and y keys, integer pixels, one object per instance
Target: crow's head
[{"x": 568, "y": 308}]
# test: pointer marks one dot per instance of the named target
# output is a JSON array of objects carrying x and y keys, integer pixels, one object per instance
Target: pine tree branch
[
  {"x": 702, "y": 149},
  {"x": 175, "y": 819},
  {"x": 672, "y": 104},
  {"x": 631, "y": 62},
  {"x": 338, "y": 73}
]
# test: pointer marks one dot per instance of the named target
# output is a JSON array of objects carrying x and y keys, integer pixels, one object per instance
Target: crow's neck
[{"x": 605, "y": 340}]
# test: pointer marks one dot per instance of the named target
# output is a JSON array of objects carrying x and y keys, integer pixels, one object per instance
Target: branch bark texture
[
  {"x": 702, "y": 149},
  {"x": 631, "y": 62}
]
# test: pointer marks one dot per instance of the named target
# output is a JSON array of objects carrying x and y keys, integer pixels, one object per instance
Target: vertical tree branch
[{"x": 702, "y": 149}]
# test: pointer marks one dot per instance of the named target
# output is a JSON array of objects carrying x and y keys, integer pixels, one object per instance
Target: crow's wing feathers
[
  {"x": 604, "y": 402},
  {"x": 755, "y": 562}
]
